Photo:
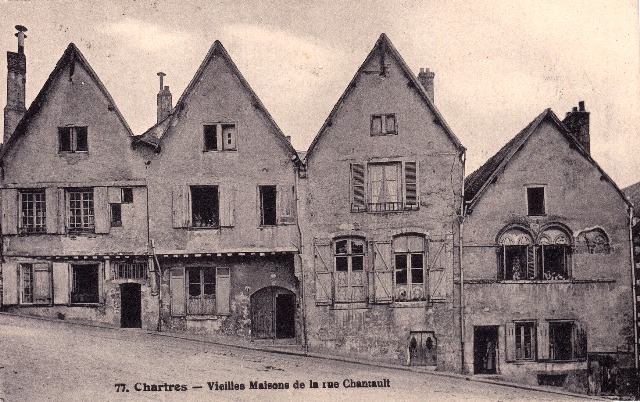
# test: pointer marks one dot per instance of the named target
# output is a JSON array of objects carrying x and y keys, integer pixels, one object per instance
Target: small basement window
[
  {"x": 535, "y": 201},
  {"x": 267, "y": 205},
  {"x": 205, "y": 206},
  {"x": 73, "y": 139}
]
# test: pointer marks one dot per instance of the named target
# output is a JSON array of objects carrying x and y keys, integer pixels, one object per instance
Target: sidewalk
[{"x": 297, "y": 350}]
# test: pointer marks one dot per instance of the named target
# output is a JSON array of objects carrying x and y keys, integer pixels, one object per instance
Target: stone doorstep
[{"x": 299, "y": 351}]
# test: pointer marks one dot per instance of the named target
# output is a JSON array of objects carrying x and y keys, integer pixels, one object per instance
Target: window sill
[
  {"x": 85, "y": 304},
  {"x": 410, "y": 303},
  {"x": 215, "y": 151},
  {"x": 204, "y": 317},
  {"x": 73, "y": 152},
  {"x": 196, "y": 228},
  {"x": 350, "y": 305}
]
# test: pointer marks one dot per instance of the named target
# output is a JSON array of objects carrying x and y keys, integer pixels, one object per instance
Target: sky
[{"x": 498, "y": 64}]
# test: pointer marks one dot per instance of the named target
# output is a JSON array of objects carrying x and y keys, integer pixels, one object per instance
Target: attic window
[
  {"x": 73, "y": 139},
  {"x": 383, "y": 124},
  {"x": 219, "y": 137},
  {"x": 535, "y": 201}
]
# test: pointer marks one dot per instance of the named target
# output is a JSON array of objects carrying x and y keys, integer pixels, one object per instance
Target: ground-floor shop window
[{"x": 86, "y": 283}]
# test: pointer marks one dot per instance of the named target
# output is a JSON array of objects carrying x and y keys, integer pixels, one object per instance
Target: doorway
[
  {"x": 273, "y": 312},
  {"x": 130, "y": 305},
  {"x": 423, "y": 349},
  {"x": 485, "y": 346}
]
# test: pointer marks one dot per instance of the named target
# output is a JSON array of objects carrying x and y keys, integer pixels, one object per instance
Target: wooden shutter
[
  {"x": 227, "y": 205},
  {"x": 62, "y": 211},
  {"x": 9, "y": 211},
  {"x": 323, "y": 263},
  {"x": 51, "y": 205},
  {"x": 437, "y": 263},
  {"x": 285, "y": 205},
  {"x": 180, "y": 206},
  {"x": 115, "y": 195},
  {"x": 579, "y": 341},
  {"x": 178, "y": 296},
  {"x": 411, "y": 200},
  {"x": 60, "y": 283},
  {"x": 543, "y": 340},
  {"x": 41, "y": 283},
  {"x": 382, "y": 272},
  {"x": 223, "y": 290},
  {"x": 101, "y": 209},
  {"x": 358, "y": 202},
  {"x": 510, "y": 341},
  {"x": 9, "y": 283}
]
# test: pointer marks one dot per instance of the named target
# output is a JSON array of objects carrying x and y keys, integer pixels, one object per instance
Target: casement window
[
  {"x": 567, "y": 341},
  {"x": 349, "y": 268},
  {"x": 35, "y": 283},
  {"x": 129, "y": 269},
  {"x": 205, "y": 210},
  {"x": 33, "y": 211},
  {"x": 220, "y": 137},
  {"x": 127, "y": 195},
  {"x": 200, "y": 291},
  {"x": 519, "y": 258},
  {"x": 116, "y": 215},
  {"x": 383, "y": 124},
  {"x": 536, "y": 201},
  {"x": 384, "y": 187},
  {"x": 268, "y": 205},
  {"x": 73, "y": 139},
  {"x": 80, "y": 210},
  {"x": 525, "y": 333},
  {"x": 409, "y": 263},
  {"x": 85, "y": 283}
]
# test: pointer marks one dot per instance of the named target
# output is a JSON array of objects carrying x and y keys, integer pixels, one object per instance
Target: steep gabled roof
[
  {"x": 155, "y": 135},
  {"x": 70, "y": 56},
  {"x": 633, "y": 195},
  {"x": 384, "y": 44},
  {"x": 476, "y": 183}
]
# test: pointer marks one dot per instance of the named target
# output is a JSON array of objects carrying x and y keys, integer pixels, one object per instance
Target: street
[{"x": 44, "y": 360}]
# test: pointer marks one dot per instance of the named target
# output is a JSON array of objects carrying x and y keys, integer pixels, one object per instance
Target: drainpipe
[
  {"x": 303, "y": 303},
  {"x": 460, "y": 243},
  {"x": 159, "y": 282},
  {"x": 633, "y": 290}
]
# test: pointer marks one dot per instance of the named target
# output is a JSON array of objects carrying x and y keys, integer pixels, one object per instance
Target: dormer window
[
  {"x": 73, "y": 139},
  {"x": 219, "y": 137},
  {"x": 383, "y": 124}
]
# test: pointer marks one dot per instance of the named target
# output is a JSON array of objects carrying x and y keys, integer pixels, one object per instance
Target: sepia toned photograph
[{"x": 320, "y": 200}]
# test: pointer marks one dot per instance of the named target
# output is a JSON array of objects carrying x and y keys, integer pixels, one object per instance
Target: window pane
[
  {"x": 391, "y": 124},
  {"x": 194, "y": 289},
  {"x": 209, "y": 275},
  {"x": 401, "y": 276},
  {"x": 127, "y": 195},
  {"x": 229, "y": 136},
  {"x": 416, "y": 261},
  {"x": 81, "y": 139},
  {"x": 516, "y": 260},
  {"x": 554, "y": 262},
  {"x": 401, "y": 261},
  {"x": 417, "y": 275},
  {"x": 85, "y": 284},
  {"x": 342, "y": 264},
  {"x": 210, "y": 138},
  {"x": 357, "y": 263},
  {"x": 209, "y": 289},
  {"x": 116, "y": 215},
  {"x": 268, "y": 205},
  {"x": 560, "y": 340},
  {"x": 64, "y": 136},
  {"x": 376, "y": 125},
  {"x": 357, "y": 246},
  {"x": 341, "y": 247}
]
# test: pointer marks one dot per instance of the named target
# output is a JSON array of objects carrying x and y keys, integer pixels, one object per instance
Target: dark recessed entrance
[
  {"x": 485, "y": 345},
  {"x": 273, "y": 312},
  {"x": 130, "y": 302}
]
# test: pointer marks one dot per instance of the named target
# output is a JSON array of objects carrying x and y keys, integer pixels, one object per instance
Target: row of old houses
[{"x": 373, "y": 245}]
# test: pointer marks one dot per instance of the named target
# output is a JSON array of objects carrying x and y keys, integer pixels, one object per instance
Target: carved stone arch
[
  {"x": 594, "y": 241},
  {"x": 512, "y": 235},
  {"x": 555, "y": 233}
]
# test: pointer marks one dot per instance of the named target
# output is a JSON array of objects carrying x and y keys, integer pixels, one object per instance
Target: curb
[{"x": 324, "y": 356}]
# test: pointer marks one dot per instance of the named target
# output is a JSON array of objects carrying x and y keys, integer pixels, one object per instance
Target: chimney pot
[
  {"x": 289, "y": 138},
  {"x": 581, "y": 106},
  {"x": 577, "y": 122},
  {"x": 575, "y": 109},
  {"x": 164, "y": 99},
  {"x": 16, "y": 85}
]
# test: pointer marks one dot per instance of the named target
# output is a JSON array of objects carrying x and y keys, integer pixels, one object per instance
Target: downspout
[
  {"x": 303, "y": 303},
  {"x": 460, "y": 256},
  {"x": 633, "y": 291},
  {"x": 158, "y": 272}
]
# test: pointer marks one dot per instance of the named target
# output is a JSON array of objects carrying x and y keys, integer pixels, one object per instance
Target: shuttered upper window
[
  {"x": 384, "y": 187},
  {"x": 219, "y": 137},
  {"x": 33, "y": 216},
  {"x": 72, "y": 139},
  {"x": 383, "y": 124}
]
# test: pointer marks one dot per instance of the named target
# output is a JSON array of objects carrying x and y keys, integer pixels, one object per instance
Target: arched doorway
[{"x": 273, "y": 311}]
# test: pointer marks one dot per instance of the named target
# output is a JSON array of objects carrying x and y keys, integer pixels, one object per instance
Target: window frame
[
  {"x": 520, "y": 339},
  {"x": 90, "y": 215},
  {"x": 215, "y": 213},
  {"x": 349, "y": 255},
  {"x": 74, "y": 283},
  {"x": 386, "y": 206},
  {"x": 383, "y": 124},
  {"x": 72, "y": 133},
  {"x": 528, "y": 200},
  {"x": 37, "y": 205},
  {"x": 409, "y": 268},
  {"x": 112, "y": 207},
  {"x": 219, "y": 142},
  {"x": 571, "y": 338},
  {"x": 261, "y": 195},
  {"x": 202, "y": 297},
  {"x": 22, "y": 267}
]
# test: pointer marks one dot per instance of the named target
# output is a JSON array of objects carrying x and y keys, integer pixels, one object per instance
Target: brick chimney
[
  {"x": 577, "y": 121},
  {"x": 165, "y": 103},
  {"x": 16, "y": 83},
  {"x": 426, "y": 79}
]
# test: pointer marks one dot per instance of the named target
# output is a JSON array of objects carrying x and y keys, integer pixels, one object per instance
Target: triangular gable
[
  {"x": 477, "y": 182},
  {"x": 383, "y": 44},
  {"x": 70, "y": 56},
  {"x": 156, "y": 134}
]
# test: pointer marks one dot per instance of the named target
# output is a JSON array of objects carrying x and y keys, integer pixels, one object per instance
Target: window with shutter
[
  {"x": 358, "y": 187},
  {"x": 286, "y": 205},
  {"x": 32, "y": 211},
  {"x": 349, "y": 257},
  {"x": 323, "y": 271},
  {"x": 383, "y": 124},
  {"x": 411, "y": 201},
  {"x": 410, "y": 276},
  {"x": 177, "y": 288},
  {"x": 382, "y": 272}
]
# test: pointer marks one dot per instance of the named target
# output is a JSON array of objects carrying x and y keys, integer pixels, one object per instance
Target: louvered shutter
[
  {"x": 227, "y": 205},
  {"x": 285, "y": 205},
  {"x": 382, "y": 272},
  {"x": 580, "y": 341},
  {"x": 510, "y": 341},
  {"x": 60, "y": 283},
  {"x": 9, "y": 283},
  {"x": 41, "y": 283},
  {"x": 180, "y": 206},
  {"x": 178, "y": 297},
  {"x": 358, "y": 202},
  {"x": 9, "y": 211},
  {"x": 223, "y": 290},
  {"x": 411, "y": 201},
  {"x": 323, "y": 263},
  {"x": 51, "y": 206},
  {"x": 438, "y": 258},
  {"x": 101, "y": 209},
  {"x": 543, "y": 340}
]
